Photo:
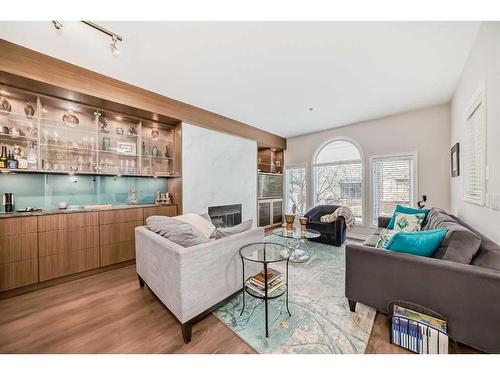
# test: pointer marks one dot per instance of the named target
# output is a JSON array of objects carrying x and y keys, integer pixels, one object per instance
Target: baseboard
[{"x": 62, "y": 280}]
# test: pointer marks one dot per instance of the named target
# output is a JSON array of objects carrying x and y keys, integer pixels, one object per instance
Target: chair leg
[
  {"x": 186, "y": 332},
  {"x": 141, "y": 281},
  {"x": 352, "y": 305}
]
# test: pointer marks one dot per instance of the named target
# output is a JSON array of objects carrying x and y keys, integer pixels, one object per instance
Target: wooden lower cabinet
[
  {"x": 18, "y": 252},
  {"x": 160, "y": 211},
  {"x": 67, "y": 244},
  {"x": 117, "y": 236},
  {"x": 40, "y": 248}
]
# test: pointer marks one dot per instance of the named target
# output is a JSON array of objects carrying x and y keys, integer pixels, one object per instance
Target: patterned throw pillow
[
  {"x": 385, "y": 237},
  {"x": 408, "y": 222}
]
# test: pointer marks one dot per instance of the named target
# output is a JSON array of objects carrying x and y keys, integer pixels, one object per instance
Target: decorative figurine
[
  {"x": 132, "y": 132},
  {"x": 143, "y": 148},
  {"x": 69, "y": 118},
  {"x": 106, "y": 143},
  {"x": 5, "y": 105},
  {"x": 167, "y": 151},
  {"x": 103, "y": 122},
  {"x": 29, "y": 110},
  {"x": 155, "y": 152},
  {"x": 119, "y": 131},
  {"x": 155, "y": 133}
]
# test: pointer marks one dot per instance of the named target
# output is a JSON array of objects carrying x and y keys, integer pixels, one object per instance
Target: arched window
[{"x": 338, "y": 176}]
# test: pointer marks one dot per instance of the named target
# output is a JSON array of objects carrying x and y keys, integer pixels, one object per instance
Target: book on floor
[{"x": 419, "y": 332}]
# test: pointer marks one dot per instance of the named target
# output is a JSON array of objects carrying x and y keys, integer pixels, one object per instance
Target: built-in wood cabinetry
[
  {"x": 18, "y": 252},
  {"x": 67, "y": 244},
  {"x": 116, "y": 236},
  {"x": 40, "y": 248},
  {"x": 160, "y": 210}
]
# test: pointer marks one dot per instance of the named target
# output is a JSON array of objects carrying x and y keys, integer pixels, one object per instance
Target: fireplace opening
[{"x": 225, "y": 216}]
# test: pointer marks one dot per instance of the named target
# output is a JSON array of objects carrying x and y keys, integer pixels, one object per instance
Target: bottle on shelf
[
  {"x": 31, "y": 156},
  {"x": 11, "y": 162},
  {"x": 3, "y": 157}
]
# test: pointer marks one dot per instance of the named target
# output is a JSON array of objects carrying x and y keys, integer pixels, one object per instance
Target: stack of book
[
  {"x": 275, "y": 282},
  {"x": 418, "y": 332}
]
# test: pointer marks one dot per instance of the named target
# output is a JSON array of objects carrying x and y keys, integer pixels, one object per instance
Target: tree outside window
[{"x": 296, "y": 189}]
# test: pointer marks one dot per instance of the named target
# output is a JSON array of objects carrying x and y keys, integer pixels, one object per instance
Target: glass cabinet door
[
  {"x": 277, "y": 212},
  {"x": 264, "y": 214},
  {"x": 157, "y": 149},
  {"x": 67, "y": 137},
  {"x": 18, "y": 129}
]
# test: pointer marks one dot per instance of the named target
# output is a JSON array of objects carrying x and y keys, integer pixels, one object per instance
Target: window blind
[
  {"x": 474, "y": 156},
  {"x": 393, "y": 183}
]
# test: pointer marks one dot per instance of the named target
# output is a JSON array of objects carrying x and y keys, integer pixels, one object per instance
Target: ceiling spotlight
[
  {"x": 58, "y": 25},
  {"x": 114, "y": 45}
]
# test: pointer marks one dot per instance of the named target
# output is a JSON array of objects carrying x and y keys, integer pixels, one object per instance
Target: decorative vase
[
  {"x": 289, "y": 219},
  {"x": 303, "y": 222}
]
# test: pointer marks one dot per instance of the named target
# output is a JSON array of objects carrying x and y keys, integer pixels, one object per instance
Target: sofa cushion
[
  {"x": 488, "y": 254},
  {"x": 405, "y": 210},
  {"x": 423, "y": 243},
  {"x": 460, "y": 244},
  {"x": 176, "y": 230},
  {"x": 226, "y": 232},
  {"x": 435, "y": 217},
  {"x": 203, "y": 225},
  {"x": 372, "y": 240}
]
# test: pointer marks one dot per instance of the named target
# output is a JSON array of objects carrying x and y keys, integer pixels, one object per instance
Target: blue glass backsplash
[{"x": 46, "y": 190}]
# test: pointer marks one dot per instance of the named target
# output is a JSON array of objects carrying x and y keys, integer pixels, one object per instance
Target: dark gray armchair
[{"x": 331, "y": 233}]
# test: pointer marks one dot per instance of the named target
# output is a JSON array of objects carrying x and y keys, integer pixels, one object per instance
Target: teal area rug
[{"x": 321, "y": 321}]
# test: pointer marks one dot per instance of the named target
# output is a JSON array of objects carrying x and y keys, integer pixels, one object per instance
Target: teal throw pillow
[
  {"x": 406, "y": 210},
  {"x": 423, "y": 243}
]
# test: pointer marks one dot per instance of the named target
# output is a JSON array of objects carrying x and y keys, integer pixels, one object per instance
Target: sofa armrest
[
  {"x": 383, "y": 221},
  {"x": 466, "y": 295}
]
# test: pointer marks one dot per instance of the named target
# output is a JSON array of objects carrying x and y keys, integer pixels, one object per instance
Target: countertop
[{"x": 54, "y": 211}]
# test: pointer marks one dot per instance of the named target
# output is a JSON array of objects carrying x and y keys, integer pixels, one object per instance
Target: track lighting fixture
[
  {"x": 58, "y": 25},
  {"x": 114, "y": 46},
  {"x": 115, "y": 38}
]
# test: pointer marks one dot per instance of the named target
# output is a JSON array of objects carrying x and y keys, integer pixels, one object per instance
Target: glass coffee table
[{"x": 296, "y": 242}]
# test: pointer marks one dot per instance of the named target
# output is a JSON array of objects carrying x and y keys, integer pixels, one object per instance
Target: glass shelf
[{"x": 91, "y": 146}]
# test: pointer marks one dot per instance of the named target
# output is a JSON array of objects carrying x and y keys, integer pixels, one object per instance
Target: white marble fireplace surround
[{"x": 218, "y": 169}]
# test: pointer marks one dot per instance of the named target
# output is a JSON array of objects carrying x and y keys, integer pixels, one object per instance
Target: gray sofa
[
  {"x": 466, "y": 293},
  {"x": 191, "y": 281}
]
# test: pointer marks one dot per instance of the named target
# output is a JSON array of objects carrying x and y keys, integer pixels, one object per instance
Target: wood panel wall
[{"x": 59, "y": 78}]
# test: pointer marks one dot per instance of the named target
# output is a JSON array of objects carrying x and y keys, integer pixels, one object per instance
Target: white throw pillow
[
  {"x": 226, "y": 232},
  {"x": 408, "y": 222},
  {"x": 176, "y": 231},
  {"x": 202, "y": 224}
]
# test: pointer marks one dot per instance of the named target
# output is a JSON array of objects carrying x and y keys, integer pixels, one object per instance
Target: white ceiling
[{"x": 269, "y": 74}]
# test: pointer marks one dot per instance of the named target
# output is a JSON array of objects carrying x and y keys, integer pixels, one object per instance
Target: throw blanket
[{"x": 343, "y": 211}]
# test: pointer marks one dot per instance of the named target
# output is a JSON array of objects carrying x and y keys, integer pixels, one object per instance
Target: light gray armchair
[{"x": 191, "y": 281}]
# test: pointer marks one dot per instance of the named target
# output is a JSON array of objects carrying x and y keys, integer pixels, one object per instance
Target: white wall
[
  {"x": 425, "y": 131},
  {"x": 218, "y": 169},
  {"x": 483, "y": 66}
]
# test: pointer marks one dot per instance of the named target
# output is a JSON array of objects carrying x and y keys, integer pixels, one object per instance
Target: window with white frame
[
  {"x": 338, "y": 176},
  {"x": 394, "y": 180},
  {"x": 474, "y": 155},
  {"x": 295, "y": 189}
]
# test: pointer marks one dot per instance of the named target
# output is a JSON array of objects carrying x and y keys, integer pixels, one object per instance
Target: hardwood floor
[
  {"x": 104, "y": 313},
  {"x": 109, "y": 313}
]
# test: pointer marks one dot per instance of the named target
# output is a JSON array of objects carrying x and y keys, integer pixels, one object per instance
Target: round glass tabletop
[
  {"x": 265, "y": 252},
  {"x": 296, "y": 233}
]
